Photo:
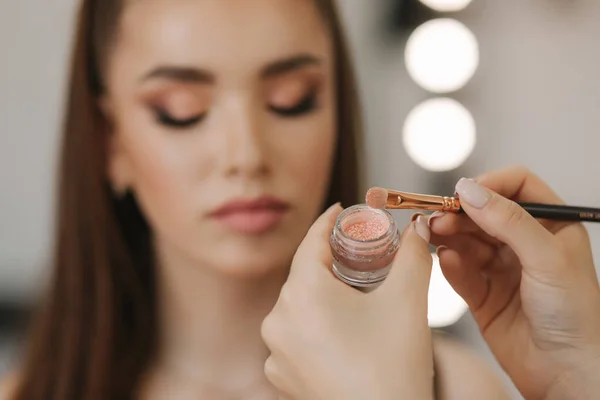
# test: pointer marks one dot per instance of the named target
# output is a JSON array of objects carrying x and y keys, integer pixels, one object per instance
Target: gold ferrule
[{"x": 415, "y": 201}]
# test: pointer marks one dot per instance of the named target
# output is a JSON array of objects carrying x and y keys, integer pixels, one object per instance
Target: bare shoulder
[
  {"x": 8, "y": 385},
  {"x": 463, "y": 374}
]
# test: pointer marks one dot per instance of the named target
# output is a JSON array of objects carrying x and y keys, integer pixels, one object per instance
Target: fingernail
[
  {"x": 415, "y": 217},
  {"x": 440, "y": 249},
  {"x": 422, "y": 228},
  {"x": 333, "y": 207},
  {"x": 472, "y": 193},
  {"x": 437, "y": 214}
]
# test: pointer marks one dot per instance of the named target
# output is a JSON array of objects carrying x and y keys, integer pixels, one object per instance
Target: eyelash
[
  {"x": 165, "y": 119},
  {"x": 306, "y": 105}
]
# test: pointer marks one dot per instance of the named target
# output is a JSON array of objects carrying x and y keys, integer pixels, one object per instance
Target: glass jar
[{"x": 363, "y": 243}]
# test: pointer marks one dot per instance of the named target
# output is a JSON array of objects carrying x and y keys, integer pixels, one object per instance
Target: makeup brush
[{"x": 394, "y": 200}]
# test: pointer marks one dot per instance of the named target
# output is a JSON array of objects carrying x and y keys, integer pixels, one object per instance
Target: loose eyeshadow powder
[{"x": 366, "y": 230}]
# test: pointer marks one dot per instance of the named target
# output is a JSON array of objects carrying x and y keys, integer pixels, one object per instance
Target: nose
[{"x": 244, "y": 153}]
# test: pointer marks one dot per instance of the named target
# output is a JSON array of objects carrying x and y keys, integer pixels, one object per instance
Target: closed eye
[
  {"x": 167, "y": 120},
  {"x": 306, "y": 105}
]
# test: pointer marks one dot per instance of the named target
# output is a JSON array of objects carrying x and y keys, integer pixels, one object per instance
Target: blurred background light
[
  {"x": 442, "y": 55},
  {"x": 446, "y": 307},
  {"x": 446, "y": 5},
  {"x": 439, "y": 134}
]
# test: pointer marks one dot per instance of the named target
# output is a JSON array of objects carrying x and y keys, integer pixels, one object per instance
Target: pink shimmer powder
[{"x": 366, "y": 230}]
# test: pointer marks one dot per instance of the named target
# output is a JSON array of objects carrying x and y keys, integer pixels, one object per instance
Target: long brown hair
[{"x": 95, "y": 333}]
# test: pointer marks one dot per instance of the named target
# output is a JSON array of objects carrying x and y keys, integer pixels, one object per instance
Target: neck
[{"x": 211, "y": 323}]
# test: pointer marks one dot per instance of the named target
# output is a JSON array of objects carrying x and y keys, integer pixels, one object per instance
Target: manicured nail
[
  {"x": 472, "y": 193},
  {"x": 437, "y": 214},
  {"x": 334, "y": 206},
  {"x": 415, "y": 217},
  {"x": 440, "y": 249},
  {"x": 422, "y": 228}
]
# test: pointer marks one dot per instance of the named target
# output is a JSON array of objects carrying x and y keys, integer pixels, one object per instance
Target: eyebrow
[
  {"x": 181, "y": 74},
  {"x": 196, "y": 75},
  {"x": 290, "y": 64}
]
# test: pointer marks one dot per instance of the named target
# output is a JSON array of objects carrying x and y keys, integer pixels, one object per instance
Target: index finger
[
  {"x": 516, "y": 183},
  {"x": 520, "y": 184}
]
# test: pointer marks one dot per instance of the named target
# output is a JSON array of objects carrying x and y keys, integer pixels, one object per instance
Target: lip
[{"x": 251, "y": 216}]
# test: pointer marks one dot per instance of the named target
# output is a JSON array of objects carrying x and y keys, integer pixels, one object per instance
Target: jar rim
[{"x": 364, "y": 207}]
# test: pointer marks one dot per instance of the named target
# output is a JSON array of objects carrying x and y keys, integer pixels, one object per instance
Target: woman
[{"x": 202, "y": 139}]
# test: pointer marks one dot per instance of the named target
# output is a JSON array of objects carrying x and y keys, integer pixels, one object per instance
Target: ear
[{"x": 117, "y": 163}]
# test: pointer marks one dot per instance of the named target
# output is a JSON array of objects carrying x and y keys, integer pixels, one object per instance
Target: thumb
[
  {"x": 508, "y": 222},
  {"x": 411, "y": 270},
  {"x": 315, "y": 245}
]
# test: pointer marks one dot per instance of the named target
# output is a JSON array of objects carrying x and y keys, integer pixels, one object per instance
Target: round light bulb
[
  {"x": 442, "y": 55},
  {"x": 446, "y": 5},
  {"x": 446, "y": 307},
  {"x": 439, "y": 134}
]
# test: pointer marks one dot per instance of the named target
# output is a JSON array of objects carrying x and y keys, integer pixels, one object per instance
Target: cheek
[
  {"x": 158, "y": 176},
  {"x": 165, "y": 170},
  {"x": 314, "y": 160},
  {"x": 317, "y": 144},
  {"x": 307, "y": 157}
]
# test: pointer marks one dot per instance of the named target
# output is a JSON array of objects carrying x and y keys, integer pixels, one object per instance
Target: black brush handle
[
  {"x": 559, "y": 212},
  {"x": 562, "y": 212}
]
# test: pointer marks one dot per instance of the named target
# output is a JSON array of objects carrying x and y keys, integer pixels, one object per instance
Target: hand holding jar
[{"x": 329, "y": 340}]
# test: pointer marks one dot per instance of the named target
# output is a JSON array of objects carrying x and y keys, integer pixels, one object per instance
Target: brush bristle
[{"x": 376, "y": 197}]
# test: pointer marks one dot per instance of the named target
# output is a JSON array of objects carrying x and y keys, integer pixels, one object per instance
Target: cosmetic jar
[{"x": 363, "y": 243}]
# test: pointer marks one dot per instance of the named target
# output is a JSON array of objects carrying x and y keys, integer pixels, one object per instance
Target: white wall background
[
  {"x": 535, "y": 97},
  {"x": 34, "y": 46}
]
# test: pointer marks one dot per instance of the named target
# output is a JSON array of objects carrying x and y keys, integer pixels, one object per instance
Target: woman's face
[{"x": 224, "y": 126}]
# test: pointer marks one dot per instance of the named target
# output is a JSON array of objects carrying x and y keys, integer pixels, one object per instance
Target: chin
[
  {"x": 246, "y": 261},
  {"x": 253, "y": 266}
]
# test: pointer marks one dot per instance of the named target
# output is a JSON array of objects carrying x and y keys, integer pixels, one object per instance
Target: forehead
[{"x": 224, "y": 34}]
